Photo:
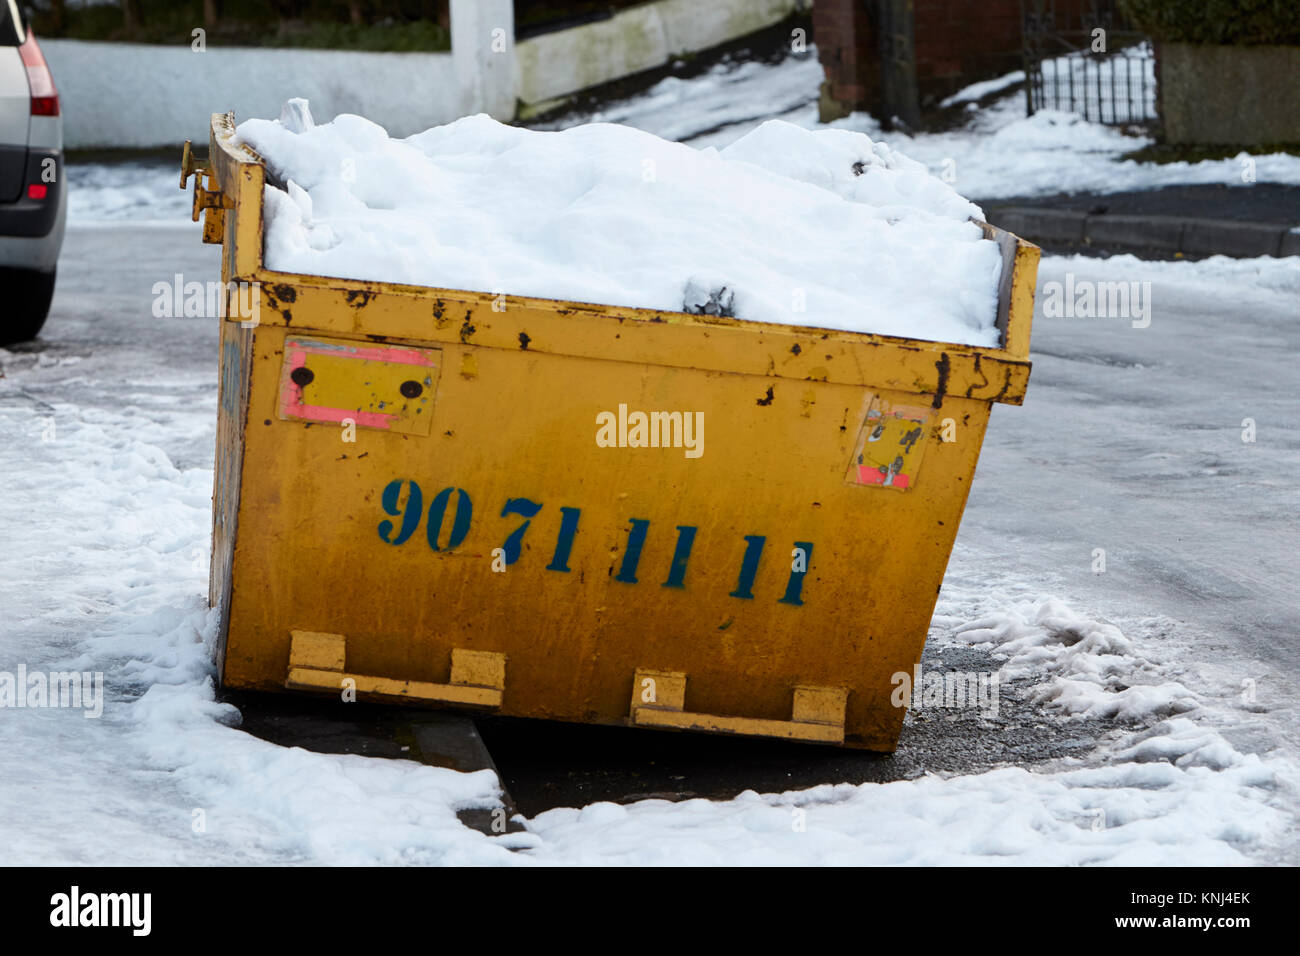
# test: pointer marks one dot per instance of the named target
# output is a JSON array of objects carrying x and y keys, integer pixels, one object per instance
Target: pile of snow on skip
[{"x": 826, "y": 229}]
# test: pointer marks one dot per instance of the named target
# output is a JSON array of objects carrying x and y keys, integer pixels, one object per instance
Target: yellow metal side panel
[
  {"x": 330, "y": 540},
  {"x": 235, "y": 373},
  {"x": 409, "y": 314},
  {"x": 234, "y": 171},
  {"x": 1024, "y": 283}
]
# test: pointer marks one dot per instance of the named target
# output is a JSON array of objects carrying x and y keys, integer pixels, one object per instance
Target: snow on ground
[
  {"x": 1164, "y": 788},
  {"x": 1275, "y": 279},
  {"x": 138, "y": 191},
  {"x": 999, "y": 152},
  {"x": 114, "y": 561},
  {"x": 104, "y": 569},
  {"x": 106, "y": 546},
  {"x": 1172, "y": 803},
  {"x": 977, "y": 91},
  {"x": 825, "y": 229},
  {"x": 729, "y": 94}
]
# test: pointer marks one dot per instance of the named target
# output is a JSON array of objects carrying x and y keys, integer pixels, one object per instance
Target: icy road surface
[{"x": 1183, "y": 651}]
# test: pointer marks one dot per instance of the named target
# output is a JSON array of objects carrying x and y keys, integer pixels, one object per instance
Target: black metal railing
[{"x": 1081, "y": 57}]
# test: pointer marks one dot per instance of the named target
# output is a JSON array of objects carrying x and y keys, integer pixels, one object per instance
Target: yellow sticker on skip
[
  {"x": 889, "y": 447},
  {"x": 388, "y": 387}
]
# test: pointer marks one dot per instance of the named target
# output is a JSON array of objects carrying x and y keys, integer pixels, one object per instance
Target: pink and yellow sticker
[{"x": 387, "y": 387}]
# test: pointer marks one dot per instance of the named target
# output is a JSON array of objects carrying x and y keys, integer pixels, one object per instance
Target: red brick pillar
[{"x": 848, "y": 50}]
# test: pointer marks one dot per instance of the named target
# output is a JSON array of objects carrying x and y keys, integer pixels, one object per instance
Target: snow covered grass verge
[
  {"x": 824, "y": 229},
  {"x": 998, "y": 153},
  {"x": 105, "y": 569},
  {"x": 1002, "y": 153}
]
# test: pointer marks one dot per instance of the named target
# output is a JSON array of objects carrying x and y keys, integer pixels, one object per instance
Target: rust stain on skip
[
  {"x": 979, "y": 371},
  {"x": 1006, "y": 384},
  {"x": 279, "y": 293},
  {"x": 942, "y": 388}
]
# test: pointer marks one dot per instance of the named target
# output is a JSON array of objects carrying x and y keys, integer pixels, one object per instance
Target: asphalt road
[
  {"x": 1129, "y": 441},
  {"x": 1259, "y": 202}
]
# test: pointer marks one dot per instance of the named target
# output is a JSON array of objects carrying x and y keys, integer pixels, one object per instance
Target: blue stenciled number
[
  {"x": 794, "y": 589},
  {"x": 410, "y": 515},
  {"x": 632, "y": 556},
  {"x": 459, "y": 525},
  {"x": 681, "y": 554},
  {"x": 749, "y": 566},
  {"x": 525, "y": 509},
  {"x": 564, "y": 543},
  {"x": 403, "y": 499}
]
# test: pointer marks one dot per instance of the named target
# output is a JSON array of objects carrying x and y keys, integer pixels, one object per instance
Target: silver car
[{"x": 33, "y": 194}]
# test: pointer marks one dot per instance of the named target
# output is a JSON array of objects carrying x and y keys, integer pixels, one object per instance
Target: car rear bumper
[{"x": 30, "y": 218}]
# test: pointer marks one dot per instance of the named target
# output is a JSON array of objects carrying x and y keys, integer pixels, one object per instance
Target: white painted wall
[
  {"x": 135, "y": 95},
  {"x": 127, "y": 95},
  {"x": 139, "y": 96}
]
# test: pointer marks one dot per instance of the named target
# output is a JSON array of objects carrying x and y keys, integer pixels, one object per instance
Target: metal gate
[{"x": 1081, "y": 57}]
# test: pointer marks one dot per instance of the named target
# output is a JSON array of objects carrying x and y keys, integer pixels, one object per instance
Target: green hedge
[
  {"x": 400, "y": 25},
  {"x": 1217, "y": 22}
]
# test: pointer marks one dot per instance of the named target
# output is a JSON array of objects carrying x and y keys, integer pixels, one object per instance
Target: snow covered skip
[{"x": 817, "y": 228}]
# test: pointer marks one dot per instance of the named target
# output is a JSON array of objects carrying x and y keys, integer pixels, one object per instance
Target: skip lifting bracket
[{"x": 204, "y": 199}]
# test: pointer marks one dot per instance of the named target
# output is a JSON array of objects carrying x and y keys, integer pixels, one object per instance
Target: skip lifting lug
[
  {"x": 204, "y": 199},
  {"x": 189, "y": 165}
]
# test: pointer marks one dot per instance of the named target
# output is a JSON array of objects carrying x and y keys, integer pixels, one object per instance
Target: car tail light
[
  {"x": 37, "y": 190},
  {"x": 45, "y": 98}
]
